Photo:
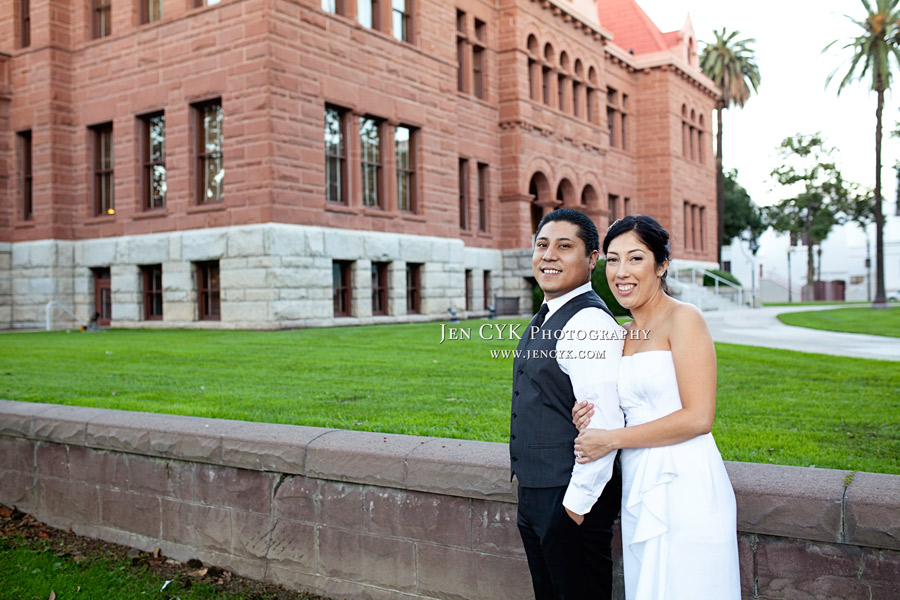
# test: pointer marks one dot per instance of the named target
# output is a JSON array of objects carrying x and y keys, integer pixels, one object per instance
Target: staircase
[{"x": 686, "y": 284}]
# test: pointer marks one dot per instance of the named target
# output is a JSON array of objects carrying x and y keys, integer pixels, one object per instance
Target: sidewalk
[{"x": 760, "y": 327}]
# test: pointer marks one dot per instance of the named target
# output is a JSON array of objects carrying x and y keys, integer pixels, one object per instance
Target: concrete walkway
[{"x": 760, "y": 327}]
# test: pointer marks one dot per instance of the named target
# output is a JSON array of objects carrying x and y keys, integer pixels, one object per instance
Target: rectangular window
[
  {"x": 404, "y": 153},
  {"x": 482, "y": 196},
  {"x": 702, "y": 228},
  {"x": 379, "y": 288},
  {"x": 612, "y": 117},
  {"x": 210, "y": 170},
  {"x": 545, "y": 83},
  {"x": 24, "y": 23},
  {"x": 153, "y": 292},
  {"x": 102, "y": 296},
  {"x": 463, "y": 193},
  {"x": 576, "y": 98},
  {"x": 687, "y": 224},
  {"x": 370, "y": 160},
  {"x": 694, "y": 226},
  {"x": 154, "y": 161},
  {"x": 335, "y": 155},
  {"x": 623, "y": 139},
  {"x": 486, "y": 286},
  {"x": 478, "y": 71},
  {"x": 335, "y": 7},
  {"x": 613, "y": 213},
  {"x": 208, "y": 291},
  {"x": 699, "y": 145},
  {"x": 25, "y": 181},
  {"x": 627, "y": 207},
  {"x": 589, "y": 105},
  {"x": 367, "y": 13},
  {"x": 340, "y": 270},
  {"x": 461, "y": 45},
  {"x": 104, "y": 203},
  {"x": 468, "y": 289},
  {"x": 101, "y": 21},
  {"x": 478, "y": 60},
  {"x": 151, "y": 11},
  {"x": 561, "y": 91},
  {"x": 400, "y": 20},
  {"x": 413, "y": 289}
]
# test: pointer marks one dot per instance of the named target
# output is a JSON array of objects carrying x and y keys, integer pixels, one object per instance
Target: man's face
[{"x": 560, "y": 261}]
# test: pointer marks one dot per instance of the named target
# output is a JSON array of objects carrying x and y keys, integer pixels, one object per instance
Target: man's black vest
[{"x": 541, "y": 432}]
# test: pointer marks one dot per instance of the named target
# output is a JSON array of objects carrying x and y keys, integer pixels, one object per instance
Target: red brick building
[{"x": 241, "y": 163}]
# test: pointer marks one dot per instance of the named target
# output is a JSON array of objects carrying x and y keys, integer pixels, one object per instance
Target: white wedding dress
[{"x": 678, "y": 511}]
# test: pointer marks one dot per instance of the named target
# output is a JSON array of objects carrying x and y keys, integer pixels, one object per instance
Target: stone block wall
[
  {"x": 379, "y": 516},
  {"x": 272, "y": 276}
]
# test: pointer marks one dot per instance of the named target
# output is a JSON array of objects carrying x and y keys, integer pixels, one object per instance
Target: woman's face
[{"x": 631, "y": 271}]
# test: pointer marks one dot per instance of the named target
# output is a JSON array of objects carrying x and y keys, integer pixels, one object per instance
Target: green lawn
[
  {"x": 848, "y": 320},
  {"x": 773, "y": 406},
  {"x": 32, "y": 570}
]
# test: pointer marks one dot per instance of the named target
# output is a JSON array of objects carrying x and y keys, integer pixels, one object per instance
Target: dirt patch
[{"x": 65, "y": 544}]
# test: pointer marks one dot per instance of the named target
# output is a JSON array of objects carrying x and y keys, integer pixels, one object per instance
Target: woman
[{"x": 678, "y": 510}]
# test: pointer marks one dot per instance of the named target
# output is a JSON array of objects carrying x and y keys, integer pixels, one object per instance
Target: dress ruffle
[{"x": 648, "y": 501}]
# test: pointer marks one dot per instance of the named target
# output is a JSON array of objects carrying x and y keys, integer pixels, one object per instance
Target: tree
[
  {"x": 742, "y": 215},
  {"x": 871, "y": 55},
  {"x": 820, "y": 198},
  {"x": 731, "y": 65}
]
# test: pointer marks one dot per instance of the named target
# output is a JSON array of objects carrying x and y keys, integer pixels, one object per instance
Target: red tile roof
[{"x": 632, "y": 29}]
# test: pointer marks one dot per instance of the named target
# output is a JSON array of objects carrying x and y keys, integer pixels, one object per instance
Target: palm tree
[
  {"x": 871, "y": 53},
  {"x": 731, "y": 64}
]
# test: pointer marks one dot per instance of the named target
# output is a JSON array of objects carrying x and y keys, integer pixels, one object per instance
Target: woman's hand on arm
[
  {"x": 581, "y": 414},
  {"x": 592, "y": 444}
]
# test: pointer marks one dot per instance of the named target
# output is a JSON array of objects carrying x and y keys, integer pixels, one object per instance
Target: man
[{"x": 566, "y": 510}]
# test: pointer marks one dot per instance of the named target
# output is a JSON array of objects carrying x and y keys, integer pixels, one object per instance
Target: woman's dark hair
[
  {"x": 587, "y": 231},
  {"x": 651, "y": 234}
]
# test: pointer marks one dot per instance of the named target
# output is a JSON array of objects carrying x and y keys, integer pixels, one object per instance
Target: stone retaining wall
[{"x": 380, "y": 516}]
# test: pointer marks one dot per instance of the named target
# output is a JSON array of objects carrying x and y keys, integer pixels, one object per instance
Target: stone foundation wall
[
  {"x": 369, "y": 515},
  {"x": 271, "y": 276}
]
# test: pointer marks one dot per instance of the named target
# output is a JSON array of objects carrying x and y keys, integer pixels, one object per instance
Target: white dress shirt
[{"x": 590, "y": 334}]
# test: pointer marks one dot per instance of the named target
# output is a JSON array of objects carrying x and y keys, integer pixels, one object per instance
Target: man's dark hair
[{"x": 587, "y": 231}]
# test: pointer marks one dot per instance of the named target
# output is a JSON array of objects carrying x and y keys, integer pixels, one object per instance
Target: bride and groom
[{"x": 650, "y": 401}]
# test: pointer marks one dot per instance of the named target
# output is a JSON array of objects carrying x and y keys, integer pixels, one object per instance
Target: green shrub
[
  {"x": 710, "y": 282},
  {"x": 598, "y": 281}
]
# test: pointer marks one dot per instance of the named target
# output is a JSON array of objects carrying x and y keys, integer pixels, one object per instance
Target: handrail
[
  {"x": 716, "y": 279},
  {"x": 65, "y": 310}
]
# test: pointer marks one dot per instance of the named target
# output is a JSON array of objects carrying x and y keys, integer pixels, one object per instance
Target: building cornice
[
  {"x": 664, "y": 61},
  {"x": 560, "y": 10}
]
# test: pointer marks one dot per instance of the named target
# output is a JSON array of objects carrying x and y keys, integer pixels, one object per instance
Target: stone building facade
[{"x": 251, "y": 164}]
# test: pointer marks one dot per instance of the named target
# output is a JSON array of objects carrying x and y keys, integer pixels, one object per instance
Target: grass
[
  {"x": 33, "y": 570},
  {"x": 882, "y": 321},
  {"x": 773, "y": 406},
  {"x": 817, "y": 303}
]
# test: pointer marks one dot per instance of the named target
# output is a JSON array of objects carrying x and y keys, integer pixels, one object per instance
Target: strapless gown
[{"x": 679, "y": 533}]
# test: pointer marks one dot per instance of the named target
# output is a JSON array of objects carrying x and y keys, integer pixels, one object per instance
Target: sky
[
  {"x": 790, "y": 36},
  {"x": 792, "y": 98}
]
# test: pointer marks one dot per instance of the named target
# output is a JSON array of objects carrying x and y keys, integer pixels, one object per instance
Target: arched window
[{"x": 534, "y": 69}]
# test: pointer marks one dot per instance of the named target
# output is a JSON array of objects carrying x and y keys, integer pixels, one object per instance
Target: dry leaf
[
  {"x": 198, "y": 573},
  {"x": 156, "y": 552},
  {"x": 5, "y": 512},
  {"x": 43, "y": 534},
  {"x": 52, "y": 595}
]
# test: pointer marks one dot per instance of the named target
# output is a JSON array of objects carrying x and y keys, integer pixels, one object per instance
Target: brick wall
[{"x": 370, "y": 515}]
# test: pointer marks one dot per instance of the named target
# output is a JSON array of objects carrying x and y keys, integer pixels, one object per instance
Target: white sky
[{"x": 790, "y": 36}]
